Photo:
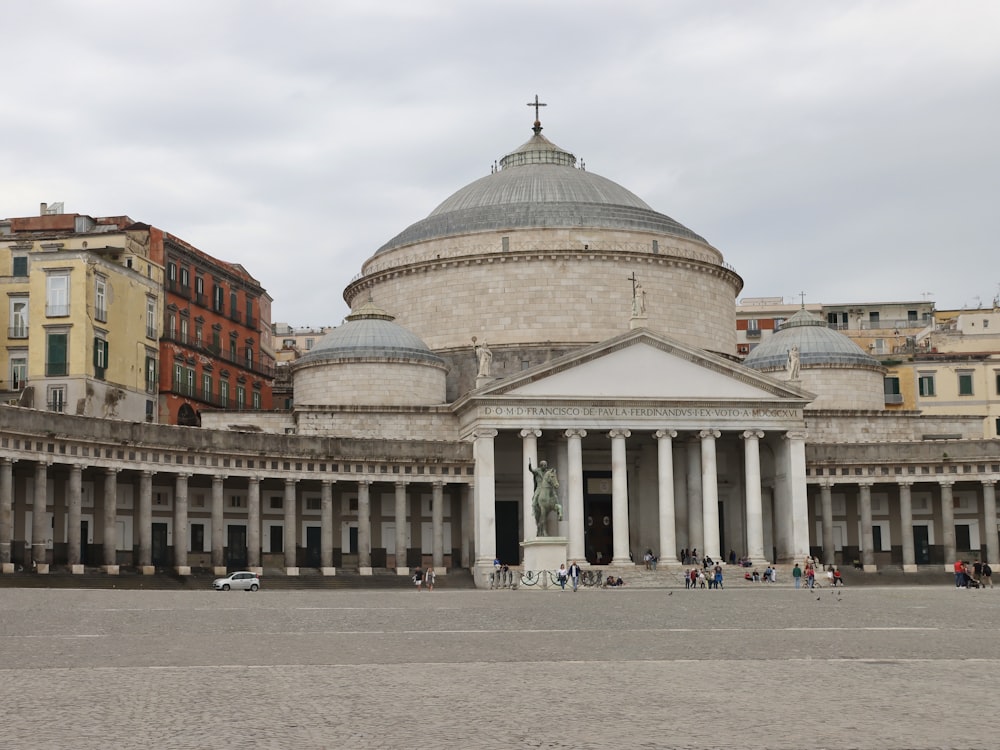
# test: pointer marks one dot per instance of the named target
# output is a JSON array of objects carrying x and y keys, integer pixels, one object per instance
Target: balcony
[
  {"x": 17, "y": 332},
  {"x": 753, "y": 333},
  {"x": 894, "y": 398},
  {"x": 57, "y": 311}
]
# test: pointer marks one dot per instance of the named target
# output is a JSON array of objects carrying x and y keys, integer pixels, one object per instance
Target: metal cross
[
  {"x": 536, "y": 104},
  {"x": 802, "y": 296},
  {"x": 634, "y": 281}
]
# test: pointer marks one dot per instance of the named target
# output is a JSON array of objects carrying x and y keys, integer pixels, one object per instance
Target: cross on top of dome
[{"x": 538, "y": 123}]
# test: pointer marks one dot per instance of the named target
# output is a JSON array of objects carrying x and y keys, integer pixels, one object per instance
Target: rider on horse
[{"x": 546, "y": 496}]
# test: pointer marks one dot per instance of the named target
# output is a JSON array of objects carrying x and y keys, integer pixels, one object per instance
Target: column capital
[
  {"x": 866, "y": 483},
  {"x": 254, "y": 479},
  {"x": 42, "y": 463},
  {"x": 111, "y": 471},
  {"x": 530, "y": 432},
  {"x": 946, "y": 482},
  {"x": 710, "y": 433},
  {"x": 326, "y": 482},
  {"x": 438, "y": 484},
  {"x": 619, "y": 433},
  {"x": 575, "y": 433},
  {"x": 219, "y": 478},
  {"x": 660, "y": 434},
  {"x": 183, "y": 475},
  {"x": 752, "y": 434},
  {"x": 145, "y": 473},
  {"x": 826, "y": 484},
  {"x": 7, "y": 461},
  {"x": 795, "y": 435},
  {"x": 364, "y": 483},
  {"x": 990, "y": 481},
  {"x": 484, "y": 432},
  {"x": 906, "y": 482},
  {"x": 290, "y": 481}
]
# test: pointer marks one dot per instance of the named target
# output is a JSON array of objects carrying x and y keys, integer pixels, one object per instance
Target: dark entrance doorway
[
  {"x": 313, "y": 536},
  {"x": 236, "y": 547},
  {"x": 921, "y": 545},
  {"x": 84, "y": 537},
  {"x": 598, "y": 524},
  {"x": 277, "y": 540},
  {"x": 508, "y": 533},
  {"x": 160, "y": 552},
  {"x": 352, "y": 540}
]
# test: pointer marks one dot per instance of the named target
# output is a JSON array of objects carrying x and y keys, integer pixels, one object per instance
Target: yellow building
[{"x": 83, "y": 314}]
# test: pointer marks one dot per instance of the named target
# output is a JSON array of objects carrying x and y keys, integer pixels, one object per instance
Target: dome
[
  {"x": 539, "y": 186},
  {"x": 370, "y": 333},
  {"x": 818, "y": 344}
]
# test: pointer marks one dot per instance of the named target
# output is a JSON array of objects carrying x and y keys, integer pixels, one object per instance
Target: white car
[{"x": 242, "y": 579}]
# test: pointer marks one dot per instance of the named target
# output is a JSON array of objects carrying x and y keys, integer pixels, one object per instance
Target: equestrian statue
[{"x": 546, "y": 496}]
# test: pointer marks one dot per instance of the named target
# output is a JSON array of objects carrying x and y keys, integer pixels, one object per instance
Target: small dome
[
  {"x": 370, "y": 333},
  {"x": 819, "y": 345}
]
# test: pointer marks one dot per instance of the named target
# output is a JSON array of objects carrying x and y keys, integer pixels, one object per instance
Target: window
[
  {"x": 998, "y": 383},
  {"x": 241, "y": 396},
  {"x": 232, "y": 350},
  {"x": 190, "y": 381},
  {"x": 185, "y": 278},
  {"x": 18, "y": 372},
  {"x": 199, "y": 289},
  {"x": 101, "y": 298},
  {"x": 873, "y": 319},
  {"x": 911, "y": 316},
  {"x": 178, "y": 376},
  {"x": 206, "y": 386},
  {"x": 998, "y": 427},
  {"x": 172, "y": 325},
  {"x": 56, "y": 348},
  {"x": 309, "y": 344},
  {"x": 234, "y": 302},
  {"x": 925, "y": 384},
  {"x": 197, "y": 537},
  {"x": 20, "y": 266},
  {"x": 256, "y": 399},
  {"x": 150, "y": 374},
  {"x": 184, "y": 330},
  {"x": 56, "y": 398},
  {"x": 151, "y": 317},
  {"x": 965, "y": 384},
  {"x": 171, "y": 274},
  {"x": 224, "y": 392},
  {"x": 57, "y": 295},
  {"x": 18, "y": 318},
  {"x": 250, "y": 357},
  {"x": 891, "y": 386},
  {"x": 218, "y": 298},
  {"x": 100, "y": 357},
  {"x": 249, "y": 311}
]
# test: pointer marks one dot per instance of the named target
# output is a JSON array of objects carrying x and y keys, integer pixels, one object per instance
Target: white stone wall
[
  {"x": 562, "y": 297},
  {"x": 374, "y": 383},
  {"x": 383, "y": 425},
  {"x": 248, "y": 421},
  {"x": 878, "y": 427},
  {"x": 843, "y": 388}
]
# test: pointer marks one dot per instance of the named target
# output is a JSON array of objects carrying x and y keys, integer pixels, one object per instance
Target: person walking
[
  {"x": 718, "y": 576},
  {"x": 418, "y": 578},
  {"x": 987, "y": 574},
  {"x": 797, "y": 575},
  {"x": 561, "y": 575},
  {"x": 574, "y": 575},
  {"x": 429, "y": 577}
]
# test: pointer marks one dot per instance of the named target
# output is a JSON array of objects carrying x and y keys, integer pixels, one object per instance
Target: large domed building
[{"x": 542, "y": 313}]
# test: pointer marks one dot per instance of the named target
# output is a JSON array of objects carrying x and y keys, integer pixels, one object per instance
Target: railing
[
  {"x": 150, "y": 332},
  {"x": 894, "y": 398},
  {"x": 753, "y": 333},
  {"x": 17, "y": 332},
  {"x": 56, "y": 311},
  {"x": 57, "y": 406},
  {"x": 875, "y": 325}
]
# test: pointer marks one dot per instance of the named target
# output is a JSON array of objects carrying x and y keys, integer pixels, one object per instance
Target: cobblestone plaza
[{"x": 748, "y": 667}]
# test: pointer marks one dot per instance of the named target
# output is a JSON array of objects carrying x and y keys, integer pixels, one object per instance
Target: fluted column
[
  {"x": 145, "y": 519},
  {"x": 619, "y": 498},
  {"x": 401, "y": 546},
  {"x": 754, "y": 503},
  {"x": 948, "y": 523},
  {"x": 710, "y": 493},
  {"x": 906, "y": 526},
  {"x": 574, "y": 494},
  {"x": 364, "y": 527},
  {"x": 680, "y": 497},
  {"x": 326, "y": 523},
  {"x": 437, "y": 524},
  {"x": 468, "y": 523},
  {"x": 990, "y": 522},
  {"x": 867, "y": 537},
  {"x": 73, "y": 513},
  {"x": 529, "y": 455},
  {"x": 290, "y": 533},
  {"x": 253, "y": 522},
  {"x": 797, "y": 494},
  {"x": 485, "y": 499},
  {"x": 6, "y": 508},
  {"x": 826, "y": 514},
  {"x": 218, "y": 524},
  {"x": 665, "y": 485},
  {"x": 110, "y": 511},
  {"x": 39, "y": 523},
  {"x": 696, "y": 533},
  {"x": 181, "y": 524}
]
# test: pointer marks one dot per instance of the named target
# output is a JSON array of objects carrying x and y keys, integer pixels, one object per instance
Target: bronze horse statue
[{"x": 546, "y": 496}]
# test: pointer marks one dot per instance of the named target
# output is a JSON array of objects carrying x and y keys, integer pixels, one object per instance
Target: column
[
  {"x": 574, "y": 494},
  {"x": 619, "y": 498},
  {"x": 795, "y": 478},
  {"x": 680, "y": 498},
  {"x": 906, "y": 526},
  {"x": 710, "y": 493},
  {"x": 485, "y": 538},
  {"x": 6, "y": 508},
  {"x": 39, "y": 523},
  {"x": 218, "y": 524},
  {"x": 364, "y": 527},
  {"x": 696, "y": 534},
  {"x": 253, "y": 523},
  {"x": 468, "y": 525},
  {"x": 948, "y": 524},
  {"x": 402, "y": 568},
  {"x": 181, "y": 524},
  {"x": 289, "y": 530},
  {"x": 867, "y": 537},
  {"x": 826, "y": 513},
  {"x": 990, "y": 522},
  {"x": 110, "y": 509},
  {"x": 437, "y": 525},
  {"x": 326, "y": 525},
  {"x": 754, "y": 504},
  {"x": 667, "y": 551},
  {"x": 145, "y": 520},
  {"x": 74, "y": 503},
  {"x": 529, "y": 455}
]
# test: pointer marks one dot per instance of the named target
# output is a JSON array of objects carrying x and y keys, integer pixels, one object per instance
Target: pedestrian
[
  {"x": 797, "y": 575},
  {"x": 987, "y": 575},
  {"x": 718, "y": 576},
  {"x": 647, "y": 558},
  {"x": 429, "y": 578},
  {"x": 561, "y": 576},
  {"x": 418, "y": 578},
  {"x": 810, "y": 576},
  {"x": 574, "y": 575},
  {"x": 838, "y": 580}
]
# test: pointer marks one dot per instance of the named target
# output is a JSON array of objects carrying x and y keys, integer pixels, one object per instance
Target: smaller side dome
[{"x": 818, "y": 344}]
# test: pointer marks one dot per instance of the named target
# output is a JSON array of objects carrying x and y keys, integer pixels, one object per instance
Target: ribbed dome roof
[
  {"x": 369, "y": 333},
  {"x": 539, "y": 185},
  {"x": 818, "y": 345}
]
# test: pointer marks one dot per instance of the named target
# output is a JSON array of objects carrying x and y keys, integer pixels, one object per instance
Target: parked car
[{"x": 242, "y": 579}]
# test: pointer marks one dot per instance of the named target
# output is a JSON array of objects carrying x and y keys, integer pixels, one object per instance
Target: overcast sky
[{"x": 845, "y": 149}]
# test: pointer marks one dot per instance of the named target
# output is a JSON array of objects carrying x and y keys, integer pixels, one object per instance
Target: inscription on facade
[{"x": 640, "y": 412}]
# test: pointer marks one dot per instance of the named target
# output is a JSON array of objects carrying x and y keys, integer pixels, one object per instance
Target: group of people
[
  {"x": 650, "y": 559},
  {"x": 569, "y": 575},
  {"x": 424, "y": 578},
  {"x": 808, "y": 572},
  {"x": 770, "y": 575},
  {"x": 973, "y": 576},
  {"x": 703, "y": 578}
]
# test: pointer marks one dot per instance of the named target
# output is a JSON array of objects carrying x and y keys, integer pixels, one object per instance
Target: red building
[{"x": 215, "y": 349}]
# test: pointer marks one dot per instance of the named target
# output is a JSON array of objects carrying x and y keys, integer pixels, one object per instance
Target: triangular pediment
[{"x": 643, "y": 365}]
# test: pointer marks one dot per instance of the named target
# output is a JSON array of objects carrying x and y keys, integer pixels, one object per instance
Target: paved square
[{"x": 741, "y": 668}]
